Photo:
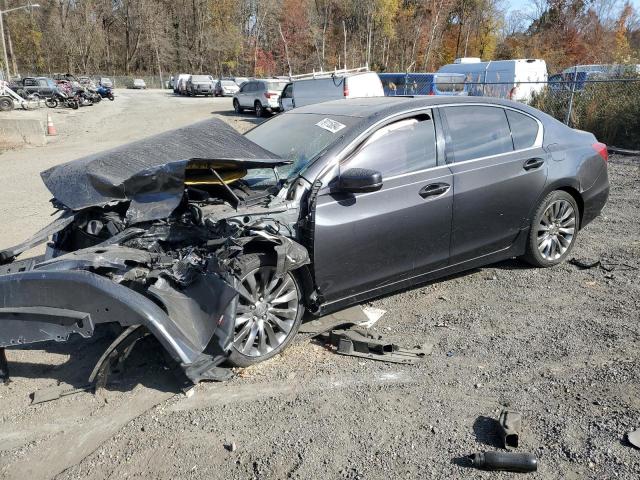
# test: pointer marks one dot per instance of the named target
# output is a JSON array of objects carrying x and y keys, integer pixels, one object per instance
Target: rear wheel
[
  {"x": 259, "y": 109},
  {"x": 554, "y": 230},
  {"x": 269, "y": 311}
]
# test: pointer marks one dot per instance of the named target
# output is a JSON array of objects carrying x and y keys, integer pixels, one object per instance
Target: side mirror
[{"x": 357, "y": 180}]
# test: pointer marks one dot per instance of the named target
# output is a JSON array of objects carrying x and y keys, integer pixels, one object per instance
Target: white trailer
[{"x": 501, "y": 78}]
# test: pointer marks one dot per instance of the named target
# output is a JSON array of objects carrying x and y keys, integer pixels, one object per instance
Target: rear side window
[
  {"x": 524, "y": 129},
  {"x": 403, "y": 147},
  {"x": 478, "y": 131}
]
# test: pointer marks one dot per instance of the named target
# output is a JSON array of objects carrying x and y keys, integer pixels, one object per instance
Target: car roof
[{"x": 384, "y": 106}]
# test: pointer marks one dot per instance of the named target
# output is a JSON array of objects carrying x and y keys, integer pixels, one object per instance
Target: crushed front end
[{"x": 155, "y": 244}]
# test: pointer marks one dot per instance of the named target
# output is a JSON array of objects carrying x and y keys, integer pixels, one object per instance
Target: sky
[{"x": 525, "y": 4}]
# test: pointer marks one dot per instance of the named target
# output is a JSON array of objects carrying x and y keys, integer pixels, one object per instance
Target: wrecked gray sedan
[{"x": 216, "y": 243}]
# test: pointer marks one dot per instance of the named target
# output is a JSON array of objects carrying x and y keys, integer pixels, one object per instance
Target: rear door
[
  {"x": 497, "y": 176},
  {"x": 365, "y": 241}
]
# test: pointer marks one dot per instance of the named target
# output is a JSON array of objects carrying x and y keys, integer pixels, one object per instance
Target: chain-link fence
[{"x": 607, "y": 107}]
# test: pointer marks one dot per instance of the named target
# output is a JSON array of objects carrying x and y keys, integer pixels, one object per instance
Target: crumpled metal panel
[{"x": 150, "y": 173}]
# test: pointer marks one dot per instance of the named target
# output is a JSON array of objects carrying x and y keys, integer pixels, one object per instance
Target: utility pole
[{"x": 29, "y": 6}]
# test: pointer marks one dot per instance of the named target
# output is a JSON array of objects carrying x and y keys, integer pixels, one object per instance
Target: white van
[
  {"x": 501, "y": 78},
  {"x": 323, "y": 87}
]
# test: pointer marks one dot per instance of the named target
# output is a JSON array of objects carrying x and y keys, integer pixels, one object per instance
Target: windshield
[
  {"x": 276, "y": 86},
  {"x": 228, "y": 83},
  {"x": 299, "y": 137},
  {"x": 201, "y": 78}
]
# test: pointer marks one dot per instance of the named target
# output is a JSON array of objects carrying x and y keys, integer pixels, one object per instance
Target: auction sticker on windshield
[{"x": 330, "y": 125}]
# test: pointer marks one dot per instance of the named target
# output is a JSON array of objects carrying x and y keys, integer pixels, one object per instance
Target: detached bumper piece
[
  {"x": 358, "y": 343},
  {"x": 193, "y": 324}
]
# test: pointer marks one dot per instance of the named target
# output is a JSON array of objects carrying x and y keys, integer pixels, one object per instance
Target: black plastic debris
[
  {"x": 359, "y": 343},
  {"x": 506, "y": 461},
  {"x": 585, "y": 263},
  {"x": 511, "y": 425}
]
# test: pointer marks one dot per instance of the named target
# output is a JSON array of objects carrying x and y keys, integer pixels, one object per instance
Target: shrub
[{"x": 611, "y": 111}]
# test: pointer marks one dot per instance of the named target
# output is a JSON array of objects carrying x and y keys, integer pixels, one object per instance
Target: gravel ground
[{"x": 559, "y": 345}]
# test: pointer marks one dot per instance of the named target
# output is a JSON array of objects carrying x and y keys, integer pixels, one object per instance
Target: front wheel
[
  {"x": 269, "y": 311},
  {"x": 236, "y": 106},
  {"x": 111, "y": 97},
  {"x": 51, "y": 102},
  {"x": 553, "y": 231},
  {"x": 6, "y": 104}
]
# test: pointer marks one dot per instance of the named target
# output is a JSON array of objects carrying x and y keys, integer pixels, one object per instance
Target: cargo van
[
  {"x": 325, "y": 86},
  {"x": 423, "y": 84},
  {"x": 513, "y": 79}
]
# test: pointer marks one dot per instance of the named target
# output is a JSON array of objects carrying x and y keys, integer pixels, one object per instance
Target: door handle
[
  {"x": 434, "y": 189},
  {"x": 533, "y": 163}
]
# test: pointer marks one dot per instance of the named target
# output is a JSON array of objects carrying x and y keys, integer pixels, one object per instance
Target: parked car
[
  {"x": 200, "y": 85},
  {"x": 260, "y": 96},
  {"x": 225, "y": 87},
  {"x": 386, "y": 193},
  {"x": 86, "y": 82},
  {"x": 41, "y": 86},
  {"x": 512, "y": 79},
  {"x": 138, "y": 84},
  {"x": 423, "y": 84},
  {"x": 105, "y": 82},
  {"x": 239, "y": 80},
  {"x": 180, "y": 83},
  {"x": 323, "y": 87}
]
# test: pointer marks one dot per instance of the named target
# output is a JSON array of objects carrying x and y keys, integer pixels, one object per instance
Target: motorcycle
[
  {"x": 61, "y": 98},
  {"x": 105, "y": 92}
]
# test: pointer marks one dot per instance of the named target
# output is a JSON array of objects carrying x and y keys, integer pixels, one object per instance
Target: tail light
[
  {"x": 601, "y": 149},
  {"x": 270, "y": 94},
  {"x": 345, "y": 88}
]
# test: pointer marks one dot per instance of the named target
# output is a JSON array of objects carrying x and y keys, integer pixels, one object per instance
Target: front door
[
  {"x": 364, "y": 241},
  {"x": 499, "y": 171}
]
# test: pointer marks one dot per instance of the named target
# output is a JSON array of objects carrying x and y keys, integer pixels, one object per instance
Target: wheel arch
[
  {"x": 567, "y": 185},
  {"x": 303, "y": 272}
]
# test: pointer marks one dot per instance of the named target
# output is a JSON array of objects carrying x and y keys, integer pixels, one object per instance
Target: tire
[
  {"x": 51, "y": 102},
  {"x": 6, "y": 104},
  {"x": 554, "y": 230},
  {"x": 259, "y": 109},
  {"x": 111, "y": 97},
  {"x": 74, "y": 104},
  {"x": 268, "y": 324},
  {"x": 236, "y": 106}
]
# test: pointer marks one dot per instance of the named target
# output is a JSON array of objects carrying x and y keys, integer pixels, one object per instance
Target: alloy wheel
[
  {"x": 267, "y": 310},
  {"x": 556, "y": 230}
]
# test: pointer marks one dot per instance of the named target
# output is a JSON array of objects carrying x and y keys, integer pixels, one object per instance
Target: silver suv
[{"x": 259, "y": 95}]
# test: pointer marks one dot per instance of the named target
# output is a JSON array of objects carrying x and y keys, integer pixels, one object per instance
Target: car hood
[{"x": 151, "y": 173}]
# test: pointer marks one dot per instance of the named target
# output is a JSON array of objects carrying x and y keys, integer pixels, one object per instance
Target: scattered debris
[
  {"x": 231, "y": 447},
  {"x": 344, "y": 319},
  {"x": 585, "y": 263},
  {"x": 359, "y": 343},
  {"x": 507, "y": 461},
  {"x": 634, "y": 438},
  {"x": 373, "y": 314},
  {"x": 511, "y": 425},
  {"x": 56, "y": 392}
]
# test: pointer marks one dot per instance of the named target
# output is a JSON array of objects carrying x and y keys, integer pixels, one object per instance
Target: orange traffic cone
[{"x": 51, "y": 129}]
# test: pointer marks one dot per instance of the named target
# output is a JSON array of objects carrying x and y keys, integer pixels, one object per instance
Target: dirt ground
[{"x": 559, "y": 345}]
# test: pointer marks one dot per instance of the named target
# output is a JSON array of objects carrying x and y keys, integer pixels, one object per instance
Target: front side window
[
  {"x": 478, "y": 131},
  {"x": 524, "y": 129},
  {"x": 288, "y": 91},
  {"x": 402, "y": 147}
]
